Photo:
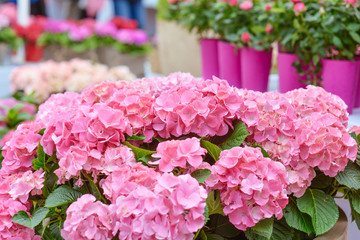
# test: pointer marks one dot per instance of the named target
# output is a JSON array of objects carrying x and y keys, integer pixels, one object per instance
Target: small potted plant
[{"x": 8, "y": 38}]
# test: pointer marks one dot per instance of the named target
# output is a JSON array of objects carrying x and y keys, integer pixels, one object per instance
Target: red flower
[{"x": 245, "y": 37}]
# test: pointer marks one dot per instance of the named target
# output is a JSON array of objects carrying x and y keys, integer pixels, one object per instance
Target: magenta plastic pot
[
  {"x": 357, "y": 92},
  {"x": 340, "y": 77},
  {"x": 288, "y": 77},
  {"x": 255, "y": 69},
  {"x": 209, "y": 58},
  {"x": 229, "y": 63}
]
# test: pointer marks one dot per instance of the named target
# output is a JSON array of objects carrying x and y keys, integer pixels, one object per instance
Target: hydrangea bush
[
  {"x": 179, "y": 158},
  {"x": 40, "y": 81}
]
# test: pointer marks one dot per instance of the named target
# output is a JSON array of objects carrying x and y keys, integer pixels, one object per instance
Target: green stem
[{"x": 95, "y": 188}]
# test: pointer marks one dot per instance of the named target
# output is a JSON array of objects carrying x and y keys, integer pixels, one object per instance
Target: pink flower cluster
[
  {"x": 86, "y": 132},
  {"x": 52, "y": 77},
  {"x": 251, "y": 187},
  {"x": 144, "y": 205},
  {"x": 179, "y": 153}
]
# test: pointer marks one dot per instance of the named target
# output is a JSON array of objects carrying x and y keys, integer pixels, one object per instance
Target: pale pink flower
[
  {"x": 245, "y": 37},
  {"x": 246, "y": 5}
]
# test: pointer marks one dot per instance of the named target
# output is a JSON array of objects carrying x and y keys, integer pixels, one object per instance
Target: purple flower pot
[
  {"x": 209, "y": 58},
  {"x": 229, "y": 63},
  {"x": 255, "y": 69},
  {"x": 357, "y": 91},
  {"x": 288, "y": 77},
  {"x": 340, "y": 77}
]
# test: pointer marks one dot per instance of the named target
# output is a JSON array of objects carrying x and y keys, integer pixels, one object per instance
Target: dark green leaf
[
  {"x": 225, "y": 228},
  {"x": 321, "y": 181},
  {"x": 355, "y": 36},
  {"x": 214, "y": 203},
  {"x": 135, "y": 137},
  {"x": 237, "y": 137},
  {"x": 262, "y": 230},
  {"x": 281, "y": 230},
  {"x": 354, "y": 27},
  {"x": 350, "y": 177},
  {"x": 214, "y": 237},
  {"x": 23, "y": 218},
  {"x": 337, "y": 42},
  {"x": 355, "y": 200},
  {"x": 41, "y": 132},
  {"x": 139, "y": 152},
  {"x": 201, "y": 175},
  {"x": 39, "y": 162},
  {"x": 322, "y": 209},
  {"x": 61, "y": 196},
  {"x": 296, "y": 219},
  {"x": 211, "y": 148}
]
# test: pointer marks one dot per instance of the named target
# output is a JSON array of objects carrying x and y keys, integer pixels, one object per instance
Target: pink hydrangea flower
[
  {"x": 179, "y": 153},
  {"x": 251, "y": 187},
  {"x": 246, "y": 5},
  {"x": 87, "y": 219}
]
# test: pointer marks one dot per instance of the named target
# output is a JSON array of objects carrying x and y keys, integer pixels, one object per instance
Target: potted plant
[
  {"x": 31, "y": 34},
  {"x": 8, "y": 38},
  {"x": 199, "y": 15},
  {"x": 249, "y": 28},
  {"x": 66, "y": 40},
  {"x": 122, "y": 47},
  {"x": 202, "y": 161}
]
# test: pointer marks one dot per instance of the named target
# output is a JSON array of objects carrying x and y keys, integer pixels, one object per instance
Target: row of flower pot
[{"x": 250, "y": 69}]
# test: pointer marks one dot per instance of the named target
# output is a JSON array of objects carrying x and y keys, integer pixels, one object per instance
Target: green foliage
[
  {"x": 140, "y": 153},
  {"x": 237, "y": 137},
  {"x": 201, "y": 175},
  {"x": 297, "y": 219},
  {"x": 39, "y": 162},
  {"x": 213, "y": 203},
  {"x": 61, "y": 196},
  {"x": 350, "y": 177},
  {"x": 262, "y": 230},
  {"x": 211, "y": 148},
  {"x": 322, "y": 209},
  {"x": 8, "y": 36},
  {"x": 23, "y": 218}
]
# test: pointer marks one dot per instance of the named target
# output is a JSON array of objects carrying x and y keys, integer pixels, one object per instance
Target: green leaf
[
  {"x": 322, "y": 209},
  {"x": 350, "y": 177},
  {"x": 237, "y": 137},
  {"x": 203, "y": 235},
  {"x": 201, "y": 175},
  {"x": 135, "y": 137},
  {"x": 39, "y": 162},
  {"x": 281, "y": 230},
  {"x": 41, "y": 132},
  {"x": 321, "y": 181},
  {"x": 355, "y": 200},
  {"x": 23, "y": 218},
  {"x": 337, "y": 42},
  {"x": 355, "y": 36},
  {"x": 262, "y": 230},
  {"x": 355, "y": 215},
  {"x": 211, "y": 236},
  {"x": 206, "y": 214},
  {"x": 214, "y": 203},
  {"x": 296, "y": 219},
  {"x": 139, "y": 152},
  {"x": 296, "y": 24},
  {"x": 55, "y": 229},
  {"x": 211, "y": 148},
  {"x": 61, "y": 196},
  {"x": 224, "y": 228},
  {"x": 354, "y": 27}
]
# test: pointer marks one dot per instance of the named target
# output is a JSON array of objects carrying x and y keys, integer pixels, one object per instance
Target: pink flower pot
[
  {"x": 357, "y": 91},
  {"x": 209, "y": 58},
  {"x": 255, "y": 69},
  {"x": 340, "y": 77},
  {"x": 229, "y": 63},
  {"x": 288, "y": 77}
]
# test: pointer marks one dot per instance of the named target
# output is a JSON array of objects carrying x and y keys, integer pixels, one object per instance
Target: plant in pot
[
  {"x": 122, "y": 47},
  {"x": 249, "y": 28},
  {"x": 198, "y": 15},
  {"x": 8, "y": 38},
  {"x": 31, "y": 34},
  {"x": 311, "y": 31},
  {"x": 203, "y": 160},
  {"x": 67, "y": 40}
]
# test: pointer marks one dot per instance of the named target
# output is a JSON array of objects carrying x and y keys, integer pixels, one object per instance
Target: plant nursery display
[
  {"x": 40, "y": 81},
  {"x": 317, "y": 40},
  {"x": 179, "y": 157}
]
